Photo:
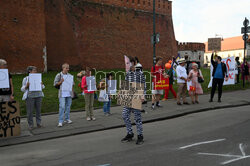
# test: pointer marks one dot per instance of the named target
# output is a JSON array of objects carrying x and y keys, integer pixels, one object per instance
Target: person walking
[
  {"x": 219, "y": 73},
  {"x": 6, "y": 94},
  {"x": 33, "y": 100},
  {"x": 65, "y": 95},
  {"x": 89, "y": 97},
  {"x": 193, "y": 77},
  {"x": 134, "y": 76},
  {"x": 182, "y": 82}
]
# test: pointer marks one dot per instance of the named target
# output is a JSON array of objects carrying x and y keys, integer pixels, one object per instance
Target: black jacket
[{"x": 223, "y": 65}]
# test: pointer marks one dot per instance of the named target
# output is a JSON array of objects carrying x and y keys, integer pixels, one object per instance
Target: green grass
[{"x": 51, "y": 103}]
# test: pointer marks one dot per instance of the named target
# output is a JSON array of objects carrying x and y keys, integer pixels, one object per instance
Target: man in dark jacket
[{"x": 219, "y": 73}]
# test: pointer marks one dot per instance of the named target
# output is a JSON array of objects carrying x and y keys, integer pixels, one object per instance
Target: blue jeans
[
  {"x": 106, "y": 107},
  {"x": 64, "y": 107}
]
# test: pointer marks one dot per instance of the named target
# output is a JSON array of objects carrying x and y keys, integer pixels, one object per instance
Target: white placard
[
  {"x": 35, "y": 80},
  {"x": 112, "y": 87},
  {"x": 67, "y": 83},
  {"x": 189, "y": 84},
  {"x": 231, "y": 71},
  {"x": 4, "y": 78},
  {"x": 91, "y": 82}
]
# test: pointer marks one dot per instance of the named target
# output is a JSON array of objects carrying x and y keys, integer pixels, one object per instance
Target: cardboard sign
[
  {"x": 231, "y": 71},
  {"x": 9, "y": 119},
  {"x": 214, "y": 44},
  {"x": 130, "y": 94},
  {"x": 161, "y": 84},
  {"x": 35, "y": 80},
  {"x": 4, "y": 78},
  {"x": 112, "y": 87}
]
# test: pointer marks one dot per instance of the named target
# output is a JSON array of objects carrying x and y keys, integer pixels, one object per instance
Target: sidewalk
[{"x": 80, "y": 125}]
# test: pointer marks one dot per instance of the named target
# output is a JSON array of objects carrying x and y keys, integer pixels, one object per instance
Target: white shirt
[{"x": 181, "y": 72}]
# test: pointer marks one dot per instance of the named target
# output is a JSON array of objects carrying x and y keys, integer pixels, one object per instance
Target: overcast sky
[{"x": 196, "y": 20}]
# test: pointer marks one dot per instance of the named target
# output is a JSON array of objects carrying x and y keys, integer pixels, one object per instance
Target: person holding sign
[
  {"x": 33, "y": 97},
  {"x": 133, "y": 76},
  {"x": 64, "y": 82},
  {"x": 182, "y": 82},
  {"x": 193, "y": 77},
  {"x": 88, "y": 85},
  {"x": 157, "y": 72},
  {"x": 169, "y": 71},
  {"x": 219, "y": 73},
  {"x": 6, "y": 87}
]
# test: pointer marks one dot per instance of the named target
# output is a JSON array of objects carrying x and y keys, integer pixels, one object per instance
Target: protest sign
[
  {"x": 130, "y": 94},
  {"x": 112, "y": 87},
  {"x": 67, "y": 83},
  {"x": 4, "y": 78},
  {"x": 91, "y": 82},
  {"x": 214, "y": 44},
  {"x": 163, "y": 83},
  {"x": 35, "y": 80},
  {"x": 231, "y": 71},
  {"x": 9, "y": 119}
]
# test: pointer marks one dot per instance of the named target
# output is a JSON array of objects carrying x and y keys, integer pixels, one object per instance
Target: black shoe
[
  {"x": 186, "y": 103},
  {"x": 219, "y": 100},
  {"x": 139, "y": 140},
  {"x": 178, "y": 103},
  {"x": 158, "y": 105},
  {"x": 128, "y": 138},
  {"x": 211, "y": 100}
]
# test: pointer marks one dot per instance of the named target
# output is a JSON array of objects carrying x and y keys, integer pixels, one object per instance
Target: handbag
[
  {"x": 103, "y": 96},
  {"x": 58, "y": 86},
  {"x": 200, "y": 79}
]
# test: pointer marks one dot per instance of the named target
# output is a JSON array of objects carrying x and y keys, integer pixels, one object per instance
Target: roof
[{"x": 232, "y": 43}]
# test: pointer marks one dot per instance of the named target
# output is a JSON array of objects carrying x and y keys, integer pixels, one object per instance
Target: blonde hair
[
  {"x": 65, "y": 65},
  {"x": 3, "y": 62}
]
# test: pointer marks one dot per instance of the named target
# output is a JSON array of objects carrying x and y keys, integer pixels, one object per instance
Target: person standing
[
  {"x": 245, "y": 71},
  {"x": 219, "y": 73},
  {"x": 182, "y": 82},
  {"x": 134, "y": 76},
  {"x": 89, "y": 97},
  {"x": 6, "y": 94},
  {"x": 157, "y": 72},
  {"x": 33, "y": 99},
  {"x": 238, "y": 68},
  {"x": 65, "y": 96},
  {"x": 193, "y": 77}
]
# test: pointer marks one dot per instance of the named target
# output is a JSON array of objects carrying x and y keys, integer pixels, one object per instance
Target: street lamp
[{"x": 154, "y": 35}]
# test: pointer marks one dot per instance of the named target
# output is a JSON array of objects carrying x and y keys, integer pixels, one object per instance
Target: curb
[{"x": 23, "y": 140}]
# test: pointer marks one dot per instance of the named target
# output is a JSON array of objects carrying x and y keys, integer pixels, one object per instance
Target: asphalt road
[{"x": 218, "y": 137}]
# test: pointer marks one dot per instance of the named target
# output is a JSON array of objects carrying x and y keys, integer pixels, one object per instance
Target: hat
[{"x": 182, "y": 60}]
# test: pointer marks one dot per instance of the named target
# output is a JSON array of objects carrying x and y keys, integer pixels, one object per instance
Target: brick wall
[
  {"x": 22, "y": 33},
  {"x": 83, "y": 33}
]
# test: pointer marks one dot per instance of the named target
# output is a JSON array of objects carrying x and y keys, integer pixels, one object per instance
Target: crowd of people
[{"x": 189, "y": 78}]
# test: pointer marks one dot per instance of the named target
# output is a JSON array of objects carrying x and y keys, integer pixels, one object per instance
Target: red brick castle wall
[{"x": 95, "y": 33}]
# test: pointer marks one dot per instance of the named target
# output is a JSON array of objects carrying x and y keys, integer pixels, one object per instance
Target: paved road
[{"x": 218, "y": 137}]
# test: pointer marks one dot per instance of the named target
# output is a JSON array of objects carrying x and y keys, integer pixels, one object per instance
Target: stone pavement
[{"x": 80, "y": 125}]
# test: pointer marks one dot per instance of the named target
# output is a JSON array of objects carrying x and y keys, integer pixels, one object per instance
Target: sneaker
[
  {"x": 159, "y": 105},
  {"x": 88, "y": 119},
  {"x": 153, "y": 107},
  {"x": 39, "y": 126},
  {"x": 60, "y": 124},
  {"x": 69, "y": 121},
  {"x": 128, "y": 138},
  {"x": 93, "y": 118},
  {"x": 139, "y": 140}
]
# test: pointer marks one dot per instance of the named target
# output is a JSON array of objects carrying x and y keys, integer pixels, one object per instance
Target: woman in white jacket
[{"x": 33, "y": 99}]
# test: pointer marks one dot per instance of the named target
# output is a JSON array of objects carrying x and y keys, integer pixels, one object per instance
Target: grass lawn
[{"x": 51, "y": 103}]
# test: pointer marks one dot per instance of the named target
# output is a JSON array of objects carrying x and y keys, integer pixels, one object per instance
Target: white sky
[{"x": 196, "y": 20}]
